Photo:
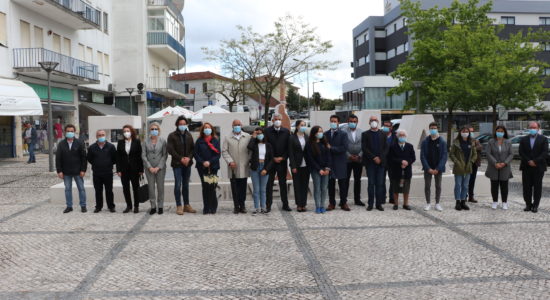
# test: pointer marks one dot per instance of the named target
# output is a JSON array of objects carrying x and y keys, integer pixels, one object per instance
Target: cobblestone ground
[{"x": 481, "y": 254}]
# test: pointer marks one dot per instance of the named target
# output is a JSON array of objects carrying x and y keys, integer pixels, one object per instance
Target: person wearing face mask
[
  {"x": 207, "y": 155},
  {"x": 180, "y": 146},
  {"x": 71, "y": 164},
  {"x": 102, "y": 157},
  {"x": 433, "y": 155},
  {"x": 154, "y": 162},
  {"x": 374, "y": 145},
  {"x": 279, "y": 138},
  {"x": 298, "y": 166},
  {"x": 129, "y": 166},
  {"x": 354, "y": 155},
  {"x": 401, "y": 156},
  {"x": 387, "y": 129},
  {"x": 499, "y": 157},
  {"x": 533, "y": 150},
  {"x": 319, "y": 162},
  {"x": 261, "y": 161},
  {"x": 235, "y": 153},
  {"x": 475, "y": 166},
  {"x": 338, "y": 145},
  {"x": 463, "y": 154}
]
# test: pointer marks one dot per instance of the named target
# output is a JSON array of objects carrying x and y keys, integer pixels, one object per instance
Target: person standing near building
[
  {"x": 129, "y": 166},
  {"x": 300, "y": 171},
  {"x": 354, "y": 154},
  {"x": 31, "y": 138},
  {"x": 102, "y": 157},
  {"x": 374, "y": 147},
  {"x": 499, "y": 157},
  {"x": 401, "y": 156},
  {"x": 319, "y": 161},
  {"x": 235, "y": 153},
  {"x": 207, "y": 155},
  {"x": 154, "y": 157},
  {"x": 475, "y": 166},
  {"x": 180, "y": 146},
  {"x": 71, "y": 164},
  {"x": 463, "y": 154},
  {"x": 387, "y": 129},
  {"x": 278, "y": 137},
  {"x": 261, "y": 161},
  {"x": 338, "y": 145},
  {"x": 533, "y": 151},
  {"x": 433, "y": 155}
]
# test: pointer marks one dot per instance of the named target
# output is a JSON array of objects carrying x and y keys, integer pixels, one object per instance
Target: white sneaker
[
  {"x": 494, "y": 205},
  {"x": 427, "y": 207},
  {"x": 505, "y": 205},
  {"x": 438, "y": 207}
]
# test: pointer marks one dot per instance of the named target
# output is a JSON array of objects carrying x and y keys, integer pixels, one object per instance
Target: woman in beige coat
[{"x": 499, "y": 157}]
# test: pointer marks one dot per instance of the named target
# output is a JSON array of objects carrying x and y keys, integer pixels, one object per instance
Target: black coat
[
  {"x": 102, "y": 160},
  {"x": 538, "y": 154},
  {"x": 318, "y": 161},
  {"x": 179, "y": 146},
  {"x": 71, "y": 161},
  {"x": 366, "y": 142},
  {"x": 203, "y": 153},
  {"x": 255, "y": 157},
  {"x": 338, "y": 141},
  {"x": 129, "y": 163},
  {"x": 395, "y": 156},
  {"x": 295, "y": 152},
  {"x": 278, "y": 141}
]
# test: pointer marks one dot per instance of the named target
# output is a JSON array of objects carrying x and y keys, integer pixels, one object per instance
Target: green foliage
[{"x": 295, "y": 101}]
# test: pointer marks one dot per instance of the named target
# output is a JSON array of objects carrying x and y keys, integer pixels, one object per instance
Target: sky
[{"x": 207, "y": 22}]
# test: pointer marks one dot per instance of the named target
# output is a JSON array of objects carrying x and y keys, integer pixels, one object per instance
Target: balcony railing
[
  {"x": 163, "y": 38},
  {"x": 170, "y": 4},
  {"x": 82, "y": 8},
  {"x": 30, "y": 57},
  {"x": 166, "y": 83}
]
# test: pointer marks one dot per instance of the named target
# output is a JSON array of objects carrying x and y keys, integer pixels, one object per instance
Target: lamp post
[
  {"x": 130, "y": 91},
  {"x": 209, "y": 94},
  {"x": 314, "y": 88},
  {"x": 417, "y": 85},
  {"x": 49, "y": 66}
]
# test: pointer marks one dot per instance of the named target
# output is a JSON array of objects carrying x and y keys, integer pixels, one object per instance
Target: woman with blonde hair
[{"x": 154, "y": 162}]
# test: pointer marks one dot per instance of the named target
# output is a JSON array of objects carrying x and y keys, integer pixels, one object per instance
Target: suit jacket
[
  {"x": 236, "y": 150},
  {"x": 255, "y": 155},
  {"x": 295, "y": 152},
  {"x": 395, "y": 156},
  {"x": 179, "y": 146},
  {"x": 279, "y": 141},
  {"x": 338, "y": 141},
  {"x": 443, "y": 154},
  {"x": 354, "y": 147},
  {"x": 494, "y": 156},
  {"x": 129, "y": 163},
  {"x": 203, "y": 153},
  {"x": 154, "y": 156},
  {"x": 102, "y": 160},
  {"x": 538, "y": 154},
  {"x": 368, "y": 156},
  {"x": 71, "y": 161}
]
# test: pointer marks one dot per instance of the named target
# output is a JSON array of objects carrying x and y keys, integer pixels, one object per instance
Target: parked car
[
  {"x": 484, "y": 139},
  {"x": 515, "y": 147}
]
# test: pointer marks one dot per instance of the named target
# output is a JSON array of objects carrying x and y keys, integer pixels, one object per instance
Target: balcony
[
  {"x": 166, "y": 86},
  {"x": 168, "y": 48},
  {"x": 75, "y": 14},
  {"x": 169, "y": 4},
  {"x": 70, "y": 70}
]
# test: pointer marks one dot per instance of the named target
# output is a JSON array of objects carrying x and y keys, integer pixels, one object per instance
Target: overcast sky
[{"x": 209, "y": 21}]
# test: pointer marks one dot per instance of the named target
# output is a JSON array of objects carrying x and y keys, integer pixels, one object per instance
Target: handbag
[{"x": 143, "y": 191}]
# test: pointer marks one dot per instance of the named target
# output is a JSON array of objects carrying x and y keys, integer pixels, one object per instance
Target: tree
[
  {"x": 316, "y": 100},
  {"x": 267, "y": 59},
  {"x": 233, "y": 90},
  {"x": 329, "y": 104},
  {"x": 295, "y": 101}
]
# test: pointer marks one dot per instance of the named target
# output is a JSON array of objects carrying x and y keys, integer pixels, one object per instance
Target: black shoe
[
  {"x": 395, "y": 207},
  {"x": 161, "y": 211},
  {"x": 391, "y": 201},
  {"x": 153, "y": 211},
  {"x": 472, "y": 200},
  {"x": 458, "y": 206},
  {"x": 369, "y": 208},
  {"x": 136, "y": 210},
  {"x": 83, "y": 209},
  {"x": 236, "y": 211},
  {"x": 534, "y": 209},
  {"x": 286, "y": 208},
  {"x": 463, "y": 205},
  {"x": 112, "y": 210},
  {"x": 528, "y": 208},
  {"x": 359, "y": 203},
  {"x": 406, "y": 207},
  {"x": 97, "y": 210},
  {"x": 68, "y": 210},
  {"x": 380, "y": 207},
  {"x": 243, "y": 210},
  {"x": 127, "y": 210}
]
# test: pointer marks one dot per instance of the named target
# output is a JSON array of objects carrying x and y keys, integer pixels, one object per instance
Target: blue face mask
[
  {"x": 319, "y": 135},
  {"x": 434, "y": 132},
  {"x": 207, "y": 131},
  {"x": 302, "y": 129},
  {"x": 182, "y": 128},
  {"x": 402, "y": 140},
  {"x": 69, "y": 135},
  {"x": 237, "y": 129},
  {"x": 352, "y": 125},
  {"x": 500, "y": 134},
  {"x": 533, "y": 131},
  {"x": 260, "y": 137},
  {"x": 154, "y": 132},
  {"x": 385, "y": 129},
  {"x": 333, "y": 125},
  {"x": 101, "y": 139}
]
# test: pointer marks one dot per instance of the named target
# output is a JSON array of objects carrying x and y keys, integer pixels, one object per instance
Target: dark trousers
[
  {"x": 357, "y": 169},
  {"x": 133, "y": 178},
  {"x": 32, "y": 157},
  {"x": 390, "y": 190},
  {"x": 495, "y": 184},
  {"x": 377, "y": 189},
  {"x": 100, "y": 181},
  {"x": 300, "y": 180},
  {"x": 238, "y": 191},
  {"x": 343, "y": 191},
  {"x": 280, "y": 170},
  {"x": 532, "y": 186},
  {"x": 472, "y": 183},
  {"x": 181, "y": 184},
  {"x": 209, "y": 197}
]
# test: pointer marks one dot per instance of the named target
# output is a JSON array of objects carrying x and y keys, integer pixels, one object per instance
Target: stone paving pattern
[{"x": 481, "y": 254}]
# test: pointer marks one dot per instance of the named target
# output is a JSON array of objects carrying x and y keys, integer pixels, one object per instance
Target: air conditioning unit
[{"x": 139, "y": 98}]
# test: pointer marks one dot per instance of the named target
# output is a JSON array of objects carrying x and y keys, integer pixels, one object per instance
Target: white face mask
[
  {"x": 277, "y": 123},
  {"x": 127, "y": 134},
  {"x": 374, "y": 124},
  {"x": 465, "y": 134}
]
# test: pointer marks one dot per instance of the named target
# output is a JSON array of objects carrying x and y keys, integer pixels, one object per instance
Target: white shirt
[
  {"x": 302, "y": 140},
  {"x": 237, "y": 136},
  {"x": 261, "y": 151},
  {"x": 354, "y": 135},
  {"x": 28, "y": 133},
  {"x": 127, "y": 145},
  {"x": 70, "y": 144}
]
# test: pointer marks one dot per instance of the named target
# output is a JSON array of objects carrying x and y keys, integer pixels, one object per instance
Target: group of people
[{"x": 327, "y": 156}]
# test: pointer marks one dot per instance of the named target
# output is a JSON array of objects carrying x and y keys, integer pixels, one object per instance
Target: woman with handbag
[
  {"x": 129, "y": 166},
  {"x": 261, "y": 162},
  {"x": 499, "y": 157},
  {"x": 207, "y": 155},
  {"x": 154, "y": 162}
]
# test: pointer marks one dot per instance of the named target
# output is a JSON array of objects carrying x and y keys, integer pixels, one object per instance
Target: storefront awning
[
  {"x": 18, "y": 99},
  {"x": 104, "y": 109},
  {"x": 58, "y": 107}
]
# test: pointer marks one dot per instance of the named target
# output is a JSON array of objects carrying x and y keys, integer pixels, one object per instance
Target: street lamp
[
  {"x": 130, "y": 91},
  {"x": 417, "y": 85},
  {"x": 307, "y": 78},
  {"x": 49, "y": 66},
  {"x": 209, "y": 94},
  {"x": 314, "y": 87}
]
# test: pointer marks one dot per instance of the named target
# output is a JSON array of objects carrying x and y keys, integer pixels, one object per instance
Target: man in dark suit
[
  {"x": 30, "y": 137},
  {"x": 374, "y": 146},
  {"x": 338, "y": 145},
  {"x": 278, "y": 137},
  {"x": 102, "y": 157},
  {"x": 533, "y": 150},
  {"x": 387, "y": 129},
  {"x": 70, "y": 162}
]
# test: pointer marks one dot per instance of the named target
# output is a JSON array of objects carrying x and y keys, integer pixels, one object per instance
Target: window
[
  {"x": 3, "y": 30},
  {"x": 205, "y": 87},
  {"x": 395, "y": 27},
  {"x": 67, "y": 46},
  {"x": 366, "y": 37},
  {"x": 546, "y": 72},
  {"x": 186, "y": 88},
  {"x": 38, "y": 37},
  {"x": 391, "y": 54},
  {"x": 105, "y": 22},
  {"x": 367, "y": 59},
  {"x": 545, "y": 46},
  {"x": 99, "y": 60},
  {"x": 25, "y": 32},
  {"x": 106, "y": 64},
  {"x": 406, "y": 46},
  {"x": 56, "y": 43},
  {"x": 508, "y": 20},
  {"x": 81, "y": 52},
  {"x": 404, "y": 22},
  {"x": 544, "y": 21},
  {"x": 89, "y": 57}
]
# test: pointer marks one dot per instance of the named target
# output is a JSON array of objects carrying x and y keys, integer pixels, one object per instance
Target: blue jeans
[
  {"x": 320, "y": 188},
  {"x": 461, "y": 186},
  {"x": 32, "y": 158},
  {"x": 377, "y": 186},
  {"x": 181, "y": 184},
  {"x": 68, "y": 179},
  {"x": 259, "y": 184}
]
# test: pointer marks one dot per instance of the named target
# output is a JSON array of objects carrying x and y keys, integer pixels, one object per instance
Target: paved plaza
[{"x": 481, "y": 254}]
